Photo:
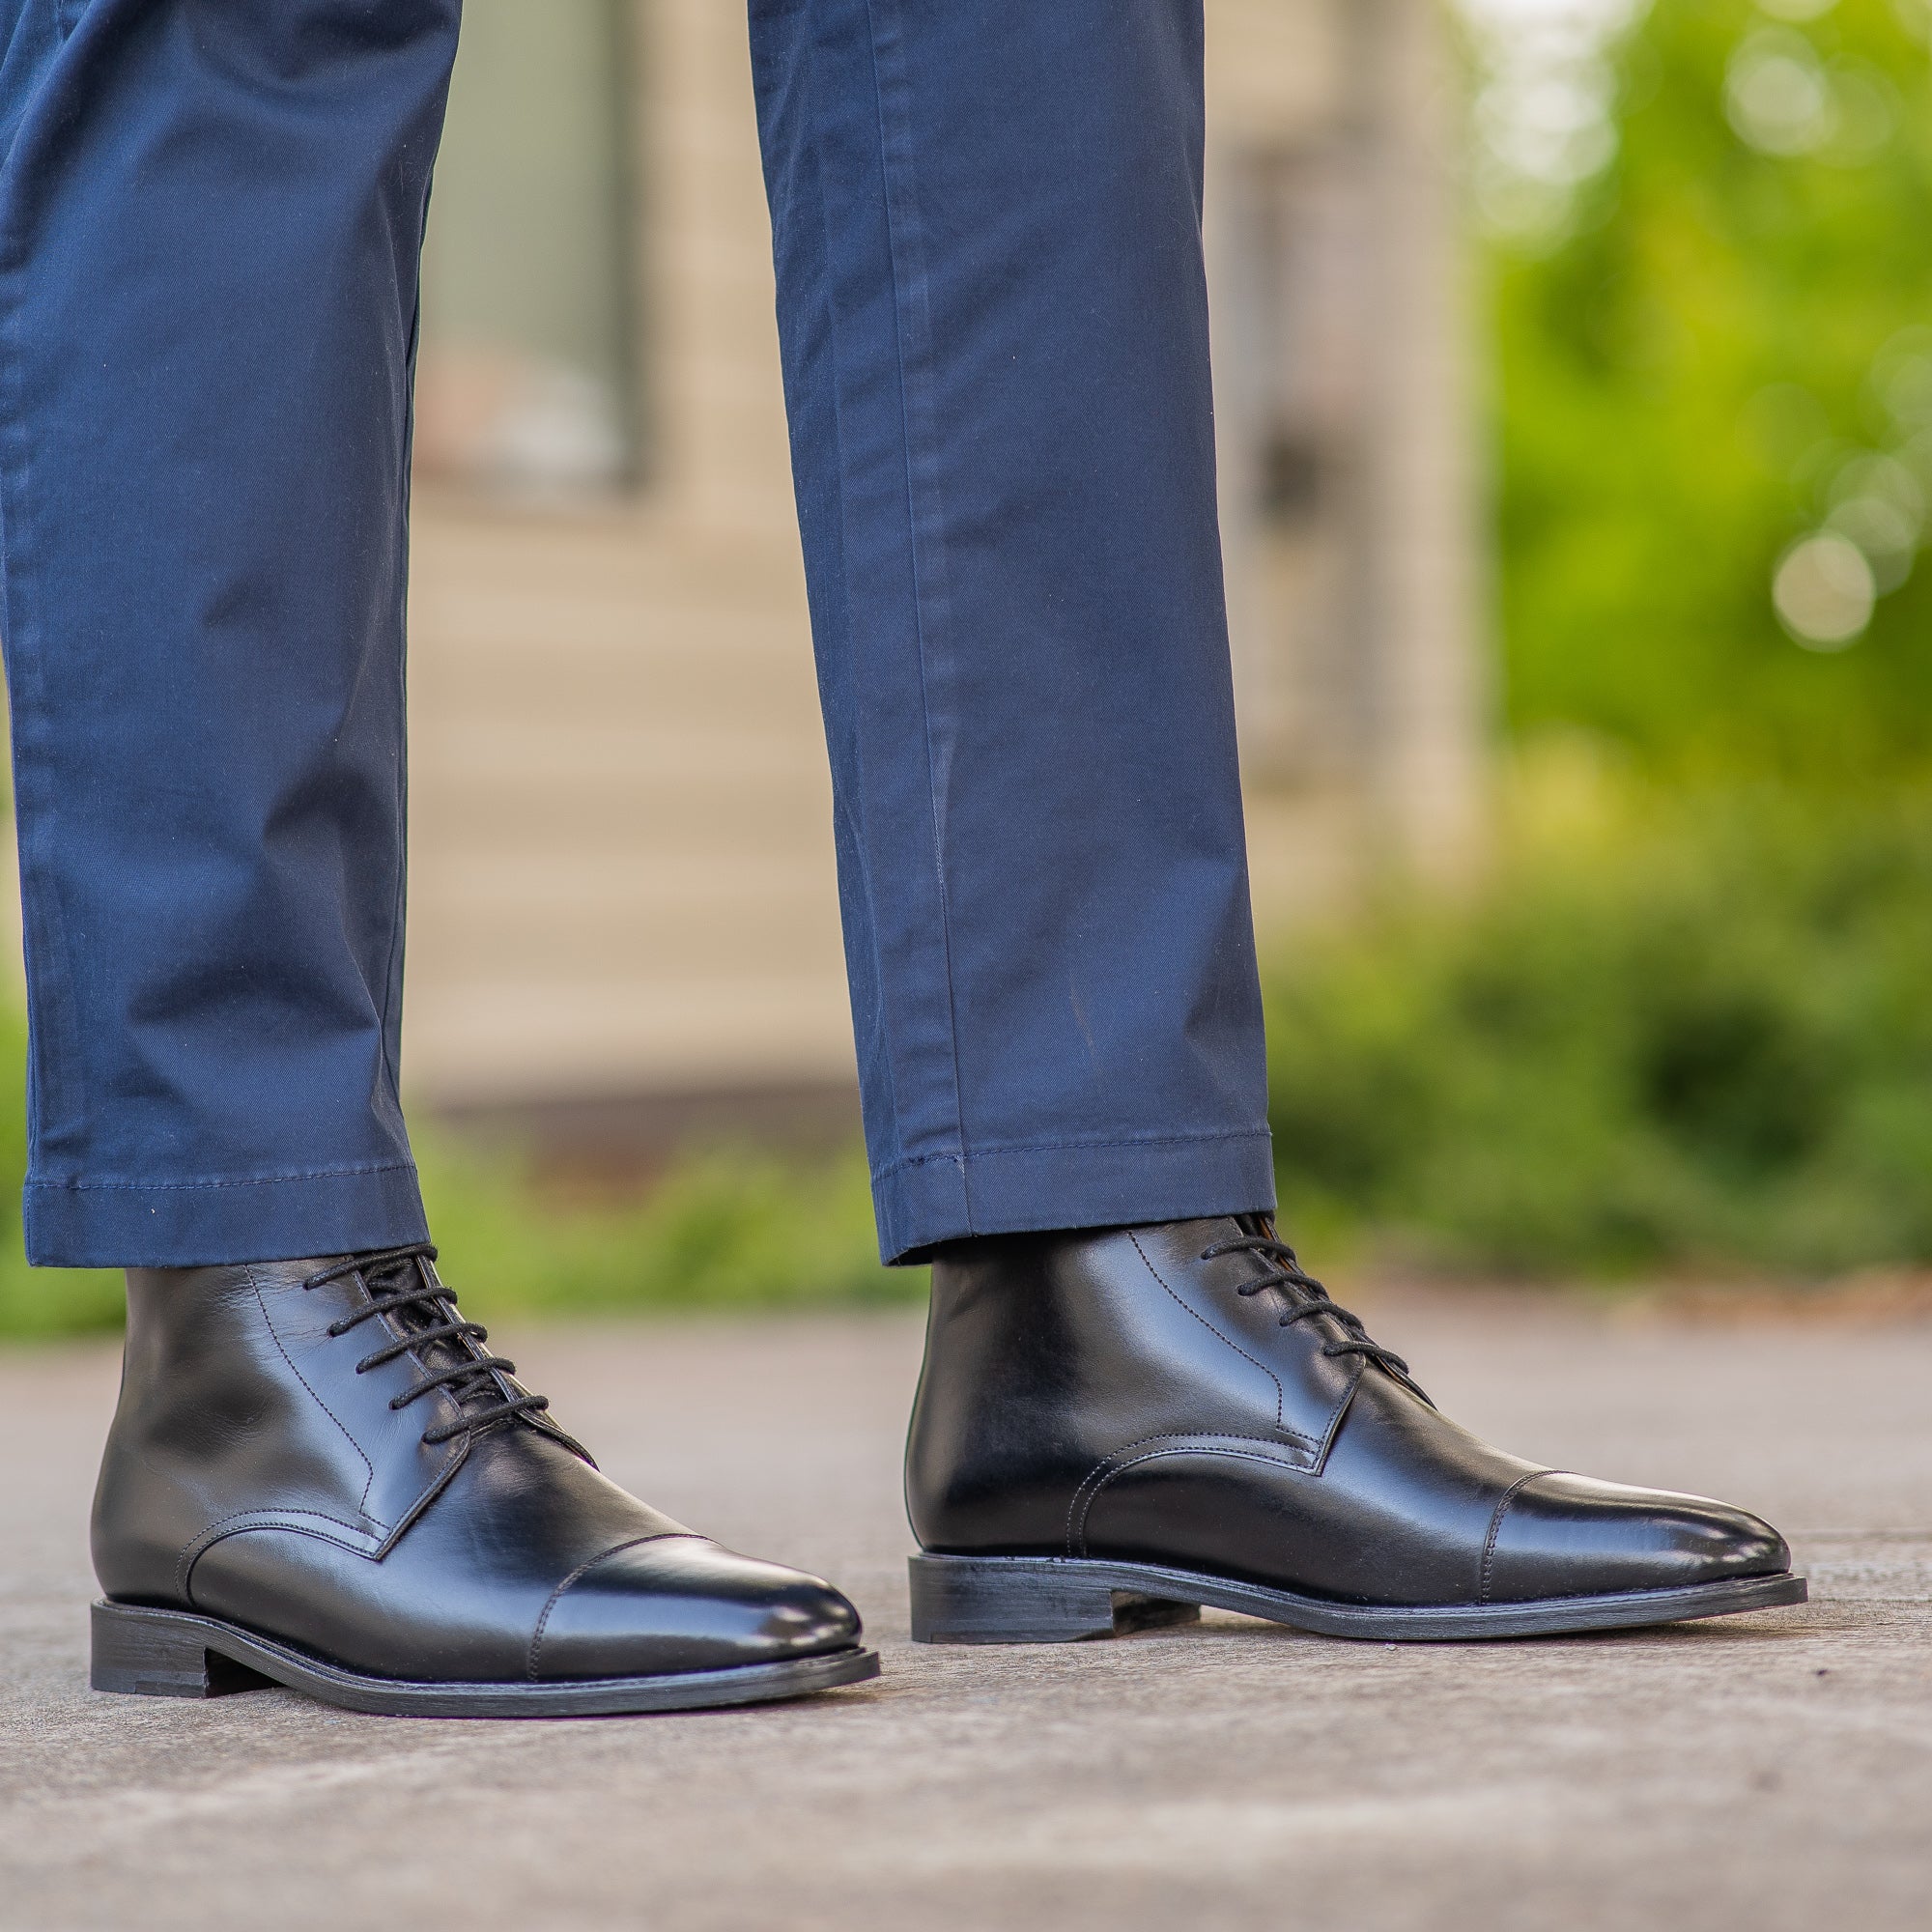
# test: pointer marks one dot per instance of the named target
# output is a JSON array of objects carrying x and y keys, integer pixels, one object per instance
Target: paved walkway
[{"x": 1764, "y": 1773}]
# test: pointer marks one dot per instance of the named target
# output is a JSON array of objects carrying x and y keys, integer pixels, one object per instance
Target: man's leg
[
  {"x": 995, "y": 325},
  {"x": 210, "y": 218},
  {"x": 990, "y": 293}
]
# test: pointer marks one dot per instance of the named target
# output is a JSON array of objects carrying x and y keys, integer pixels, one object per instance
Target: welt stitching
[
  {"x": 557, "y": 1595},
  {"x": 268, "y": 1321},
  {"x": 1280, "y": 1394},
  {"x": 1503, "y": 1502},
  {"x": 1103, "y": 1469},
  {"x": 1050, "y": 1147},
  {"x": 1156, "y": 1455}
]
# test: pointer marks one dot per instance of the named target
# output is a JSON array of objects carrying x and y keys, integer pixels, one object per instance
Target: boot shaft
[
  {"x": 234, "y": 1396},
  {"x": 1047, "y": 1354}
]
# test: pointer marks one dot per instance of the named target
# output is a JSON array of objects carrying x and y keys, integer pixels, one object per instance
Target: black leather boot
[
  {"x": 1115, "y": 1428},
  {"x": 318, "y": 1476}
]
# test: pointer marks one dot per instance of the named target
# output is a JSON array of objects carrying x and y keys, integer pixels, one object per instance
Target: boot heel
[
  {"x": 142, "y": 1652},
  {"x": 1026, "y": 1600}
]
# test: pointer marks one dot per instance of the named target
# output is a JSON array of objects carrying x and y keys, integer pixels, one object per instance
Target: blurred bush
[
  {"x": 1712, "y": 331},
  {"x": 1675, "y": 1032},
  {"x": 723, "y": 1229}
]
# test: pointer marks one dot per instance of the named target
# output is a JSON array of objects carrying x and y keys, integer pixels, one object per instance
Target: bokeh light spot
[
  {"x": 1778, "y": 94},
  {"x": 1824, "y": 592}
]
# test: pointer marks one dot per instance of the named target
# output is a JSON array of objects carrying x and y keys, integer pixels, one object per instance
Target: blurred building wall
[{"x": 622, "y": 881}]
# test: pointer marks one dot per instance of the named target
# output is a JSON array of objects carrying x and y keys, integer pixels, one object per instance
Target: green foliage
[
  {"x": 1692, "y": 1035},
  {"x": 1729, "y": 320},
  {"x": 727, "y": 1229}
]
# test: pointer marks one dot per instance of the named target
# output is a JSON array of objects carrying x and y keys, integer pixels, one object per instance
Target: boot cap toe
[
  {"x": 1561, "y": 1535},
  {"x": 682, "y": 1603}
]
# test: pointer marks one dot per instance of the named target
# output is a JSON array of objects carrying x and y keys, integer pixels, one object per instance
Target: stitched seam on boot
[
  {"x": 1111, "y": 1465},
  {"x": 269, "y": 1323},
  {"x": 297, "y": 1522},
  {"x": 1280, "y": 1394},
  {"x": 1160, "y": 1455},
  {"x": 1178, "y": 1446},
  {"x": 582, "y": 1569},
  {"x": 1503, "y": 1502}
]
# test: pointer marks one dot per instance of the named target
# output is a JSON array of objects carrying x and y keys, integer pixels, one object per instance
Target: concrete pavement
[{"x": 1765, "y": 1771}]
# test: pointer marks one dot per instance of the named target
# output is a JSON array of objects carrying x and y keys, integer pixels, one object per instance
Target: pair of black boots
[{"x": 319, "y": 1476}]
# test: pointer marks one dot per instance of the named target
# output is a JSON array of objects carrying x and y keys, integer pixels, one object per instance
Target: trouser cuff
[
  {"x": 1080, "y": 1184},
  {"x": 206, "y": 1223}
]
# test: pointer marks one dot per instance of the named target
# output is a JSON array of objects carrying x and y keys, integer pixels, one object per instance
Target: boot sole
[
  {"x": 149, "y": 1653},
  {"x": 1067, "y": 1600}
]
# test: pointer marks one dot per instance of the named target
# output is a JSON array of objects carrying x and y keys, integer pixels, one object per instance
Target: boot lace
[
  {"x": 1307, "y": 1300},
  {"x": 451, "y": 1351}
]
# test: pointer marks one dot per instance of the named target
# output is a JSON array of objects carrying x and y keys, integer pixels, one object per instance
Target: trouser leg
[
  {"x": 994, "y": 319},
  {"x": 210, "y": 218}
]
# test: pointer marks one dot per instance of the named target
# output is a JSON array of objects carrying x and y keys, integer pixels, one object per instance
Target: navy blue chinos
[{"x": 986, "y": 217}]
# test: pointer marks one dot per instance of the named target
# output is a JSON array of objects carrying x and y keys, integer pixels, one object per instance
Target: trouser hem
[
  {"x": 208, "y": 1222},
  {"x": 1080, "y": 1184}
]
